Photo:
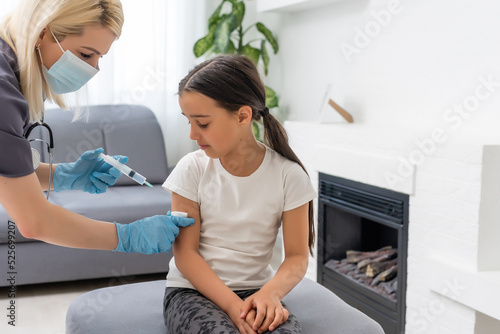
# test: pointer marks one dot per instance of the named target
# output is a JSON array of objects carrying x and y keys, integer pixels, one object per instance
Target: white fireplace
[{"x": 454, "y": 215}]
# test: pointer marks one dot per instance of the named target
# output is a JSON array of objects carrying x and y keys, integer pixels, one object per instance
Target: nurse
[{"x": 48, "y": 48}]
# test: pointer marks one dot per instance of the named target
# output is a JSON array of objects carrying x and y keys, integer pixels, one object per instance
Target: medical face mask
[{"x": 69, "y": 73}]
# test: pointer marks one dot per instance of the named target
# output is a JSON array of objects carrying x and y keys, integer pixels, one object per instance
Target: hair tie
[{"x": 264, "y": 112}]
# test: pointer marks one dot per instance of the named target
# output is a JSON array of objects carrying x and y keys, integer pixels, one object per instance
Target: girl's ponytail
[{"x": 276, "y": 138}]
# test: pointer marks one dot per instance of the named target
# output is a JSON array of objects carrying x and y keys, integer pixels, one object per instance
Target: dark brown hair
[{"x": 233, "y": 81}]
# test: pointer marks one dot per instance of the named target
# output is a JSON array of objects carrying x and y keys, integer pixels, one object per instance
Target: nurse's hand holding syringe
[{"x": 89, "y": 173}]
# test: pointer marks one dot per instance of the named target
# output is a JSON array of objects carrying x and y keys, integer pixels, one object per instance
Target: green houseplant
[{"x": 226, "y": 35}]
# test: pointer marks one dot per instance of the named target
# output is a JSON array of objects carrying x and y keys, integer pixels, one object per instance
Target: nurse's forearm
[
  {"x": 36, "y": 218},
  {"x": 42, "y": 172},
  {"x": 65, "y": 228}
]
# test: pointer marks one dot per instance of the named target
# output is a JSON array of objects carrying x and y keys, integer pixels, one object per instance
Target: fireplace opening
[
  {"x": 362, "y": 248},
  {"x": 375, "y": 270}
]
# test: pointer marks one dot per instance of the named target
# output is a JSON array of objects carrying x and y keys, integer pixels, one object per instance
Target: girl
[{"x": 239, "y": 191}]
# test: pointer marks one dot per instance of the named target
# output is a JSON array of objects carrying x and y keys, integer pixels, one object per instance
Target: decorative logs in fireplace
[{"x": 376, "y": 270}]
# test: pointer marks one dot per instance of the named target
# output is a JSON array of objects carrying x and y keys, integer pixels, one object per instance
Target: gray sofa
[{"x": 120, "y": 129}]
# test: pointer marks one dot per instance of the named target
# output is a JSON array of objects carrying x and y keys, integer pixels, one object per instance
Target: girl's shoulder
[
  {"x": 197, "y": 157},
  {"x": 289, "y": 171},
  {"x": 280, "y": 161},
  {"x": 194, "y": 162}
]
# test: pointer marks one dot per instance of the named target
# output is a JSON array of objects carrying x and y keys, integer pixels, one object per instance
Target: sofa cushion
[
  {"x": 71, "y": 139},
  {"x": 142, "y": 142},
  {"x": 129, "y": 130}
]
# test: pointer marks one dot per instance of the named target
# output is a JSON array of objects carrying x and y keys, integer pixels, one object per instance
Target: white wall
[
  {"x": 422, "y": 60},
  {"x": 414, "y": 67}
]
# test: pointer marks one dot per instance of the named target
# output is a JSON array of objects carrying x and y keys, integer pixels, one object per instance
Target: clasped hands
[{"x": 261, "y": 312}]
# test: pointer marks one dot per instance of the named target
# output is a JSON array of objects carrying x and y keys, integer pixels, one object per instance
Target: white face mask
[{"x": 69, "y": 73}]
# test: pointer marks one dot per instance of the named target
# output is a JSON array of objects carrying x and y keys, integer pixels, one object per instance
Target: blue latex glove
[
  {"x": 150, "y": 235},
  {"x": 89, "y": 173}
]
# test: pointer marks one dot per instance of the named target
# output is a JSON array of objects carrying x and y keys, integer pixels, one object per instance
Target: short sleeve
[
  {"x": 184, "y": 179},
  {"x": 298, "y": 188},
  {"x": 15, "y": 150}
]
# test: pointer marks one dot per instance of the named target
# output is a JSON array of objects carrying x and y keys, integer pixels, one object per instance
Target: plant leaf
[
  {"x": 251, "y": 53},
  {"x": 271, "y": 98},
  {"x": 231, "y": 49},
  {"x": 264, "y": 55},
  {"x": 269, "y": 36},
  {"x": 214, "y": 19},
  {"x": 203, "y": 44},
  {"x": 223, "y": 32},
  {"x": 211, "y": 50},
  {"x": 239, "y": 12}
]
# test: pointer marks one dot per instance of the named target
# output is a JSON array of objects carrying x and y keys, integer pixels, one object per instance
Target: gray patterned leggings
[{"x": 186, "y": 311}]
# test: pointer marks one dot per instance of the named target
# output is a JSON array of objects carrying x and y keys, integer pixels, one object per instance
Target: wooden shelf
[{"x": 291, "y": 5}]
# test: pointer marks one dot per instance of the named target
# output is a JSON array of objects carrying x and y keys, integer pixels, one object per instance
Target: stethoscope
[{"x": 35, "y": 155}]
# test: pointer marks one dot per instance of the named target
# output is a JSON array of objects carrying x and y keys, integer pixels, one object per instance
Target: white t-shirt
[{"x": 240, "y": 216}]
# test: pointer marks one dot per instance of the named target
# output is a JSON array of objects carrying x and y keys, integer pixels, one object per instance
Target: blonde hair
[{"x": 22, "y": 28}]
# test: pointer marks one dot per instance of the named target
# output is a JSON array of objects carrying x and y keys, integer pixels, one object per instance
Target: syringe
[{"x": 125, "y": 170}]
